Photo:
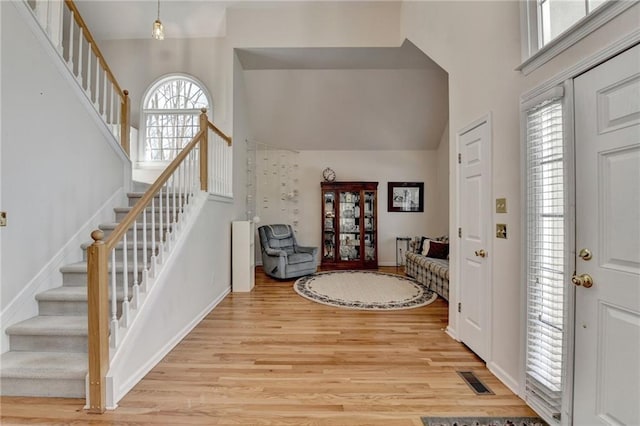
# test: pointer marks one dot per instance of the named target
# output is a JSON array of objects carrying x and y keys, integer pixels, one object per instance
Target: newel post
[
  {"x": 98, "y": 321},
  {"x": 125, "y": 121},
  {"x": 204, "y": 150}
]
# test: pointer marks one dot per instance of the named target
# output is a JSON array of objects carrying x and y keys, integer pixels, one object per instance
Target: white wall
[
  {"x": 373, "y": 166},
  {"x": 478, "y": 44},
  {"x": 442, "y": 178},
  {"x": 196, "y": 279},
  {"x": 327, "y": 109},
  {"x": 241, "y": 134},
  {"x": 58, "y": 167}
]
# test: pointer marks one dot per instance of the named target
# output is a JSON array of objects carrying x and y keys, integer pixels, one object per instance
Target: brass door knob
[
  {"x": 583, "y": 280},
  {"x": 585, "y": 254},
  {"x": 481, "y": 253}
]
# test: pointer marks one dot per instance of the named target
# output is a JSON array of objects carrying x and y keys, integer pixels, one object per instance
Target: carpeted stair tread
[
  {"x": 51, "y": 325},
  {"x": 59, "y": 294},
  {"x": 70, "y": 294},
  {"x": 81, "y": 267},
  {"x": 43, "y": 365}
]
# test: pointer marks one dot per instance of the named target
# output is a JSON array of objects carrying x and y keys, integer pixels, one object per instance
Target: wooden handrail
[
  {"x": 137, "y": 209},
  {"x": 94, "y": 46},
  {"x": 220, "y": 133}
]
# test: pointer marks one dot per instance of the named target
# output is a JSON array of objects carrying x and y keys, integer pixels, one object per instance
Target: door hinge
[
  {"x": 459, "y": 232},
  {"x": 459, "y": 158},
  {"x": 459, "y": 306}
]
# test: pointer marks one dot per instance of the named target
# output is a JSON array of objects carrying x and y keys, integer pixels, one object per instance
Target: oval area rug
[{"x": 367, "y": 290}]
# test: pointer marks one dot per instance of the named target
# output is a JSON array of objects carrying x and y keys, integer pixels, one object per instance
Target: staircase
[{"x": 48, "y": 353}]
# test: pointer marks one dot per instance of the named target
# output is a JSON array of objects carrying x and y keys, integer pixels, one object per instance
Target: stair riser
[
  {"x": 134, "y": 199},
  {"x": 48, "y": 343},
  {"x": 120, "y": 216},
  {"x": 130, "y": 254},
  {"x": 140, "y": 234},
  {"x": 62, "y": 388},
  {"x": 54, "y": 307},
  {"x": 80, "y": 278}
]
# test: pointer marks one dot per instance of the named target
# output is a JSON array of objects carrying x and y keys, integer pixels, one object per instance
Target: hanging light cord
[{"x": 158, "y": 10}]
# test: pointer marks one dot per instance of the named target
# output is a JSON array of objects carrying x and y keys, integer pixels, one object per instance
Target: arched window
[{"x": 170, "y": 116}]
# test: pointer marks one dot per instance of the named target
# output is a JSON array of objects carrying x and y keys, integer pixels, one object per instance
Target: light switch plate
[
  {"x": 501, "y": 205},
  {"x": 501, "y": 230}
]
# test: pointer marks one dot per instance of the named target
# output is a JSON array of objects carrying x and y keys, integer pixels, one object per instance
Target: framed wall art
[{"x": 405, "y": 197}]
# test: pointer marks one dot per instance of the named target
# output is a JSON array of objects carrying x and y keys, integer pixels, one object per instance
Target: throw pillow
[
  {"x": 420, "y": 249},
  {"x": 438, "y": 250},
  {"x": 426, "y": 243}
]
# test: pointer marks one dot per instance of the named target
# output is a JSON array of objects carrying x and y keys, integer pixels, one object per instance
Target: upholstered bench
[{"x": 432, "y": 272}]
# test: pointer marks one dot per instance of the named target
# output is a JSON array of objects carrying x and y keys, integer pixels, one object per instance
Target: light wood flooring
[{"x": 271, "y": 357}]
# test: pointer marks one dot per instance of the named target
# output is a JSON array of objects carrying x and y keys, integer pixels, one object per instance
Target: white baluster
[
  {"x": 160, "y": 231},
  {"x": 175, "y": 207},
  {"x": 114, "y": 302},
  {"x": 104, "y": 95},
  {"x": 182, "y": 192},
  {"x": 145, "y": 264},
  {"x": 168, "y": 231},
  {"x": 154, "y": 247},
  {"x": 97, "y": 85},
  {"x": 118, "y": 116},
  {"x": 125, "y": 283},
  {"x": 112, "y": 108},
  {"x": 189, "y": 157},
  {"x": 56, "y": 12},
  {"x": 88, "y": 70},
  {"x": 80, "y": 38},
  {"x": 72, "y": 24},
  {"x": 136, "y": 285}
]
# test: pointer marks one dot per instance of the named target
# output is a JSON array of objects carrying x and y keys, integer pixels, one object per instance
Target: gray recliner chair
[{"x": 282, "y": 257}]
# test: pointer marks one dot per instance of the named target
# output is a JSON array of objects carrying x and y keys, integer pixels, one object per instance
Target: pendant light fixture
[{"x": 158, "y": 29}]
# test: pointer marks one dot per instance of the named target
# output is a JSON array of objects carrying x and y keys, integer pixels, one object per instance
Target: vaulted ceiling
[
  {"x": 345, "y": 98},
  {"x": 305, "y": 98}
]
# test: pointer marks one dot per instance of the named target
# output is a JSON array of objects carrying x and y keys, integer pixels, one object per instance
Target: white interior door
[
  {"x": 607, "y": 333},
  {"x": 474, "y": 148}
]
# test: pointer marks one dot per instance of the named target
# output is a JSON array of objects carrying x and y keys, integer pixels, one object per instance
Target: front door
[
  {"x": 474, "y": 148},
  {"x": 607, "y": 278}
]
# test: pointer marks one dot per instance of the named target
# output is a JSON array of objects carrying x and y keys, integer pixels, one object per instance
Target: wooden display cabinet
[{"x": 349, "y": 225}]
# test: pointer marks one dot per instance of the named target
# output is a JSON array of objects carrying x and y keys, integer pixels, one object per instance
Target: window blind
[{"x": 545, "y": 259}]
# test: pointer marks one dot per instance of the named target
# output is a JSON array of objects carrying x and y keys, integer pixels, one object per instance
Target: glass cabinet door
[
  {"x": 349, "y": 225},
  {"x": 329, "y": 228},
  {"x": 369, "y": 224}
]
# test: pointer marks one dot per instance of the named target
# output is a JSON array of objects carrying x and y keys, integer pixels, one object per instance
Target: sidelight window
[{"x": 546, "y": 256}]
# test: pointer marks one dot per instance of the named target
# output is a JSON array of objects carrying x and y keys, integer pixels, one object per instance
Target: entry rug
[
  {"x": 483, "y": 421},
  {"x": 366, "y": 290}
]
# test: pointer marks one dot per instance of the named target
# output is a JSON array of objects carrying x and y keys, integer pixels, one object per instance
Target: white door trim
[{"x": 454, "y": 290}]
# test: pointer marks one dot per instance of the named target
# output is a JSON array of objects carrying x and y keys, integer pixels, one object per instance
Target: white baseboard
[
  {"x": 24, "y": 305},
  {"x": 505, "y": 378},
  {"x": 452, "y": 333}
]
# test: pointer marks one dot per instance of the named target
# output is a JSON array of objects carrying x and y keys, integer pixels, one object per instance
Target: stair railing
[
  {"x": 144, "y": 238},
  {"x": 70, "y": 36}
]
